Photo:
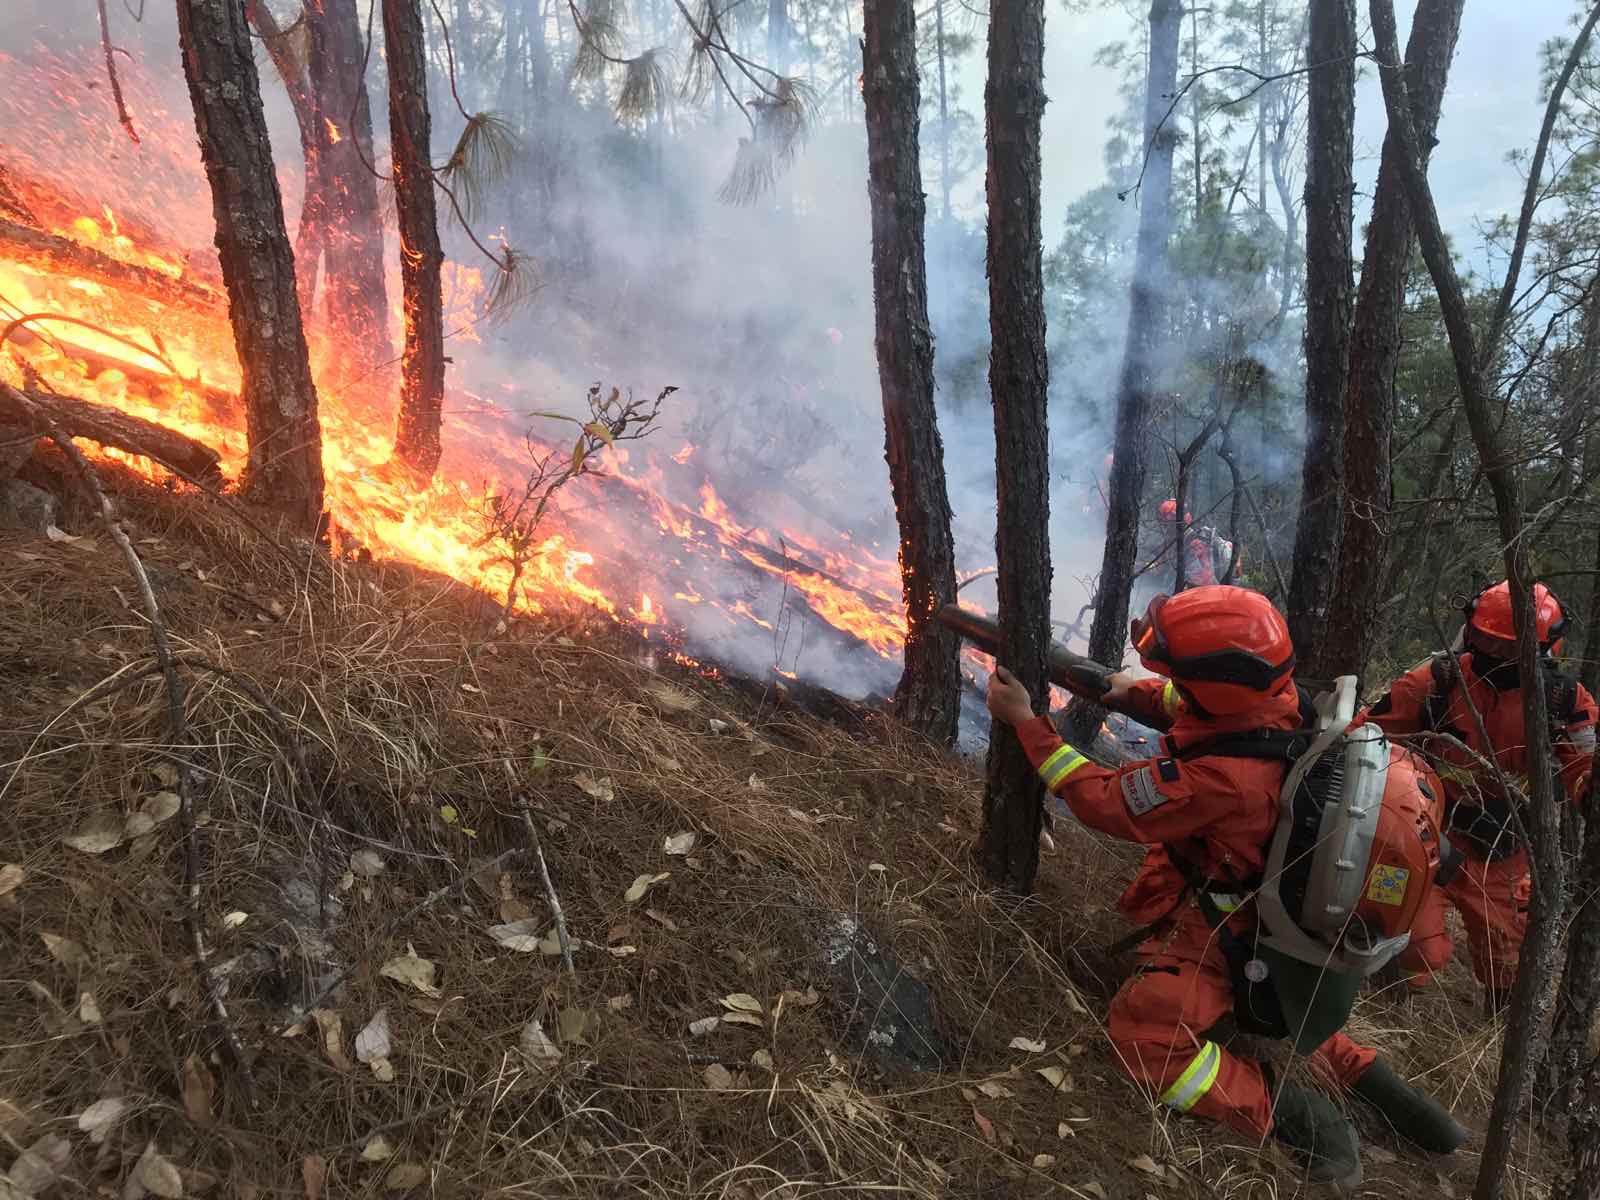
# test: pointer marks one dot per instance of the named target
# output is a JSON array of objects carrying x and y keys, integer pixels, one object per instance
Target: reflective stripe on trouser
[
  {"x": 1196, "y": 1079},
  {"x": 1492, "y": 898},
  {"x": 1159, "y": 1019},
  {"x": 1059, "y": 765}
]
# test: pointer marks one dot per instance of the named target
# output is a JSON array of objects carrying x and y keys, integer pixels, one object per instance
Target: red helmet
[
  {"x": 1169, "y": 512},
  {"x": 1490, "y": 629},
  {"x": 1226, "y": 647}
]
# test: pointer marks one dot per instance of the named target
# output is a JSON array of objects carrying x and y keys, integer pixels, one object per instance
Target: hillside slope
[{"x": 871, "y": 992}]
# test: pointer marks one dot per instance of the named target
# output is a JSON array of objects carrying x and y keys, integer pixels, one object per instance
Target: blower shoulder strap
[{"x": 1272, "y": 745}]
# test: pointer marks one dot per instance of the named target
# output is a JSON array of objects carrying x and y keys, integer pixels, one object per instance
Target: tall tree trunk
[
  {"x": 282, "y": 50},
  {"x": 280, "y": 401},
  {"x": 1147, "y": 324},
  {"x": 944, "y": 117},
  {"x": 1589, "y": 672},
  {"x": 928, "y": 696},
  {"x": 356, "y": 297},
  {"x": 1375, "y": 357},
  {"x": 341, "y": 226},
  {"x": 1571, "y": 1035},
  {"x": 416, "y": 441},
  {"x": 1019, "y": 380},
  {"x": 778, "y": 36},
  {"x": 1330, "y": 186}
]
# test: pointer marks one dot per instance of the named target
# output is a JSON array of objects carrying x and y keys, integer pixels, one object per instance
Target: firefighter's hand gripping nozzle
[{"x": 1079, "y": 675}]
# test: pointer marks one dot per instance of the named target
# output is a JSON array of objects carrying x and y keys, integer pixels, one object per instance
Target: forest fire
[{"x": 167, "y": 357}]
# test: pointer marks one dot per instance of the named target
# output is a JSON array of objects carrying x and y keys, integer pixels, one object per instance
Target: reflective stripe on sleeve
[
  {"x": 1582, "y": 739},
  {"x": 1170, "y": 700},
  {"x": 1196, "y": 1079},
  {"x": 1059, "y": 765},
  {"x": 1226, "y": 901}
]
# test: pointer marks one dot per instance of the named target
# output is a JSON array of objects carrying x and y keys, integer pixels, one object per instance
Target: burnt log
[
  {"x": 22, "y": 244},
  {"x": 81, "y": 419}
]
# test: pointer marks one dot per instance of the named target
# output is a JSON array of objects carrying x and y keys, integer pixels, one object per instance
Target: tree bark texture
[
  {"x": 1581, "y": 1178},
  {"x": 416, "y": 442},
  {"x": 356, "y": 299},
  {"x": 1568, "y": 1054},
  {"x": 1019, "y": 378},
  {"x": 928, "y": 695},
  {"x": 280, "y": 400},
  {"x": 1493, "y": 434},
  {"x": 1141, "y": 356},
  {"x": 1330, "y": 186},
  {"x": 1367, "y": 525}
]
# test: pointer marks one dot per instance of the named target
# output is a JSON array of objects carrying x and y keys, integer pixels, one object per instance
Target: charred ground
[{"x": 406, "y": 707}]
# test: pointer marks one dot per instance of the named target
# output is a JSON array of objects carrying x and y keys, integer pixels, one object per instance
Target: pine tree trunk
[
  {"x": 1330, "y": 185},
  {"x": 1019, "y": 379},
  {"x": 280, "y": 46},
  {"x": 1375, "y": 357},
  {"x": 778, "y": 36},
  {"x": 356, "y": 297},
  {"x": 928, "y": 696},
  {"x": 280, "y": 401},
  {"x": 1569, "y": 1052},
  {"x": 416, "y": 442},
  {"x": 944, "y": 116},
  {"x": 1147, "y": 325}
]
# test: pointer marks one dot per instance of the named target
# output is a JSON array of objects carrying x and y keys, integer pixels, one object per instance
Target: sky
[{"x": 1492, "y": 106}]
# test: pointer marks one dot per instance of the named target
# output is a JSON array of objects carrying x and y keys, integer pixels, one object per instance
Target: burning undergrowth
[{"x": 762, "y": 905}]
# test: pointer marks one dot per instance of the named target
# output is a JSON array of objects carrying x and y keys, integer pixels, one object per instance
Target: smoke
[{"x": 762, "y": 314}]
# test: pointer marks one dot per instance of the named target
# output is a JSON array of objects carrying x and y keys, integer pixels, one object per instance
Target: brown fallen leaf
[
  {"x": 596, "y": 789},
  {"x": 405, "y": 1176},
  {"x": 1149, "y": 1166},
  {"x": 100, "y": 833},
  {"x": 1043, "y": 1162},
  {"x": 89, "y": 1009},
  {"x": 101, "y": 1117},
  {"x": 14, "y": 1119},
  {"x": 313, "y": 1175},
  {"x": 718, "y": 1077},
  {"x": 159, "y": 1176},
  {"x": 985, "y": 1126},
  {"x": 11, "y": 877},
  {"x": 331, "y": 1026},
  {"x": 412, "y": 971},
  {"x": 199, "y": 1088},
  {"x": 995, "y": 1091},
  {"x": 64, "y": 950},
  {"x": 40, "y": 1165},
  {"x": 1094, "y": 1189},
  {"x": 377, "y": 1149}
]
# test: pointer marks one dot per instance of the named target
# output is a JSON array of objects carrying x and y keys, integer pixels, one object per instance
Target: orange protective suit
[
  {"x": 1219, "y": 815},
  {"x": 1491, "y": 893}
]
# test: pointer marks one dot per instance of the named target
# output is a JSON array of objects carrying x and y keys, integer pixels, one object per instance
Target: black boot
[
  {"x": 1413, "y": 1114},
  {"x": 1309, "y": 1124}
]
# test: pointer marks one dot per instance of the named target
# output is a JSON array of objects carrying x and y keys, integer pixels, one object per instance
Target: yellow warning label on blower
[{"x": 1388, "y": 884}]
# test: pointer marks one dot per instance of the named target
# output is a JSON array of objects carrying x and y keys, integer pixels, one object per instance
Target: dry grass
[{"x": 403, "y": 730}]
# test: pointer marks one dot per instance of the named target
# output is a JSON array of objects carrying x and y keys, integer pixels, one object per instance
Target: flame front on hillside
[{"x": 650, "y": 542}]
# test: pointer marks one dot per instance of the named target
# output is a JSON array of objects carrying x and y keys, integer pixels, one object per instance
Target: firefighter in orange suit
[
  {"x": 1229, "y": 662},
  {"x": 1491, "y": 890}
]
